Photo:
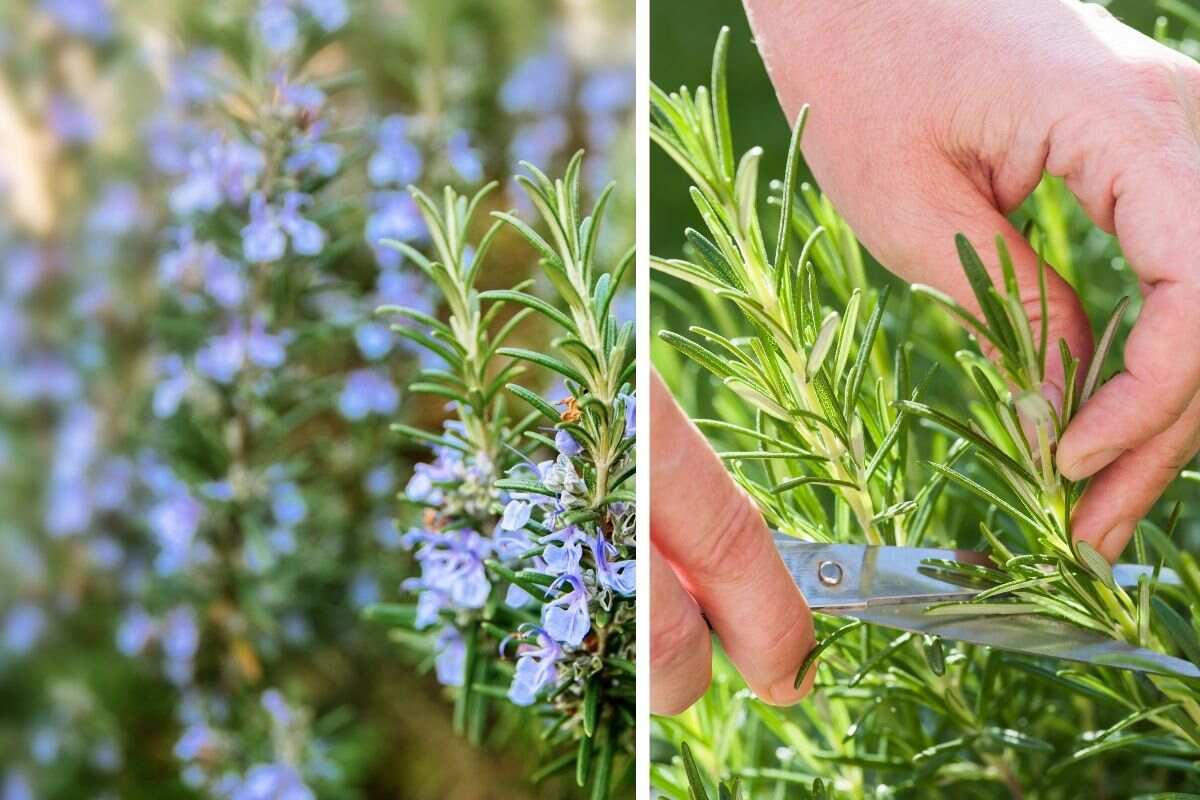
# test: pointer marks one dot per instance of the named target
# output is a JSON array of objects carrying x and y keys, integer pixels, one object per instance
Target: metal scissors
[{"x": 891, "y": 586}]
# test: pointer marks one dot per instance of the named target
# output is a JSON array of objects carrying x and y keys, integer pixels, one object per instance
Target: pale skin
[{"x": 933, "y": 117}]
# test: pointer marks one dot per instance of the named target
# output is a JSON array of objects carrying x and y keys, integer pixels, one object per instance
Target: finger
[
  {"x": 1125, "y": 491},
  {"x": 1161, "y": 377},
  {"x": 680, "y": 648},
  {"x": 928, "y": 254},
  {"x": 720, "y": 548},
  {"x": 1154, "y": 203}
]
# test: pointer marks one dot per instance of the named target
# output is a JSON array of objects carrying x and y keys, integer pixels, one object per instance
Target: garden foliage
[{"x": 841, "y": 429}]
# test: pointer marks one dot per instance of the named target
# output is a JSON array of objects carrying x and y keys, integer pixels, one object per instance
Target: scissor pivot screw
[{"x": 829, "y": 573}]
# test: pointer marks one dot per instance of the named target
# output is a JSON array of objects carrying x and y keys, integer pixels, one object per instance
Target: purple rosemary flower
[
  {"x": 287, "y": 504},
  {"x": 307, "y": 237},
  {"x": 539, "y": 140},
  {"x": 274, "y": 781},
  {"x": 607, "y": 92},
  {"x": 619, "y": 577},
  {"x": 263, "y": 239},
  {"x": 563, "y": 551},
  {"x": 135, "y": 631},
  {"x": 174, "y": 520},
  {"x": 452, "y": 566},
  {"x": 397, "y": 161},
  {"x": 180, "y": 641},
  {"x": 539, "y": 85},
  {"x": 16, "y": 786},
  {"x": 310, "y": 154},
  {"x": 566, "y": 618},
  {"x": 565, "y": 443},
  {"x": 295, "y": 98},
  {"x": 374, "y": 340},
  {"x": 395, "y": 216},
  {"x": 368, "y": 391},
  {"x": 117, "y": 210},
  {"x": 226, "y": 354},
  {"x": 23, "y": 628},
  {"x": 277, "y": 25},
  {"x": 451, "y": 657},
  {"x": 630, "y": 414},
  {"x": 70, "y": 121},
  {"x": 91, "y": 19},
  {"x": 536, "y": 666},
  {"x": 466, "y": 160},
  {"x": 173, "y": 384},
  {"x": 277, "y": 707}
]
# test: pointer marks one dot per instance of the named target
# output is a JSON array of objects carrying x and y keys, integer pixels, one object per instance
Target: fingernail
[
  {"x": 784, "y": 693},
  {"x": 1114, "y": 540},
  {"x": 1089, "y": 464},
  {"x": 1053, "y": 395}
]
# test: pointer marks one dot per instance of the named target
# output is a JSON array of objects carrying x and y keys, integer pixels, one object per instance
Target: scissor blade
[
  {"x": 874, "y": 575},
  {"x": 868, "y": 575},
  {"x": 1032, "y": 634}
]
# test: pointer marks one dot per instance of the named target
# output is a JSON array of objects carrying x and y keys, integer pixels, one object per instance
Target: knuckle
[
  {"x": 674, "y": 638},
  {"x": 730, "y": 547}
]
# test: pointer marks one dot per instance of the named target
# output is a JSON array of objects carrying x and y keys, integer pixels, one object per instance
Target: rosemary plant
[
  {"x": 835, "y": 441},
  {"x": 524, "y": 560}
]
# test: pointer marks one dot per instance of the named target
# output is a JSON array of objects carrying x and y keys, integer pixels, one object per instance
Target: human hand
[
  {"x": 933, "y": 117},
  {"x": 711, "y": 553}
]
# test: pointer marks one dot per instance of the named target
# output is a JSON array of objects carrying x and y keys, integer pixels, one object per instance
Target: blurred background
[{"x": 196, "y": 472}]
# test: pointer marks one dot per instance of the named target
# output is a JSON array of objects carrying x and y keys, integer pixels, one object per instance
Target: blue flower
[
  {"x": 563, "y": 551},
  {"x": 135, "y": 631},
  {"x": 397, "y": 161},
  {"x": 540, "y": 84},
  {"x": 174, "y": 521},
  {"x": 296, "y": 98},
  {"x": 180, "y": 641},
  {"x": 395, "y": 216},
  {"x": 380, "y": 480},
  {"x": 274, "y": 781},
  {"x": 630, "y": 414},
  {"x": 307, "y": 237},
  {"x": 91, "y": 19},
  {"x": 367, "y": 392},
  {"x": 310, "y": 153},
  {"x": 23, "y": 627},
  {"x": 225, "y": 355},
  {"x": 607, "y": 92},
  {"x": 539, "y": 141},
  {"x": 565, "y": 443},
  {"x": 117, "y": 210},
  {"x": 277, "y": 25},
  {"x": 451, "y": 657},
  {"x": 70, "y": 121},
  {"x": 277, "y": 707},
  {"x": 16, "y": 786},
  {"x": 173, "y": 384},
  {"x": 287, "y": 504},
  {"x": 536, "y": 666},
  {"x": 516, "y": 597},
  {"x": 263, "y": 239},
  {"x": 452, "y": 565},
  {"x": 466, "y": 160},
  {"x": 329, "y": 14},
  {"x": 619, "y": 576},
  {"x": 197, "y": 740},
  {"x": 566, "y": 618},
  {"x": 374, "y": 340}
]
